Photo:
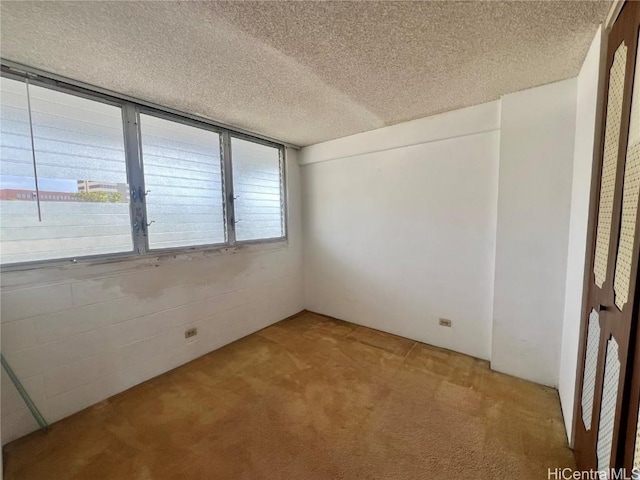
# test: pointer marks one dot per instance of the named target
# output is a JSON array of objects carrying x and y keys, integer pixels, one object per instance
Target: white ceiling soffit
[{"x": 305, "y": 72}]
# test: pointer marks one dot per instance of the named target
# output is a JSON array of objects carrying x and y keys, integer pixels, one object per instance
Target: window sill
[{"x": 154, "y": 257}]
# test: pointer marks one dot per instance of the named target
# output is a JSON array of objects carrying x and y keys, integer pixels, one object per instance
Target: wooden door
[{"x": 609, "y": 321}]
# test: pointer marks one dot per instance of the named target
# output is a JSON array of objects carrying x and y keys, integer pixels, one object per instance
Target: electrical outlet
[
  {"x": 192, "y": 332},
  {"x": 445, "y": 322}
]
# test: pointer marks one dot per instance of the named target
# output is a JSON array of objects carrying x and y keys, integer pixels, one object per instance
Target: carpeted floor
[{"x": 310, "y": 398}]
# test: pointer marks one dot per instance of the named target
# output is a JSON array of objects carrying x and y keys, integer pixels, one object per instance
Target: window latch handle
[
  {"x": 138, "y": 193},
  {"x": 144, "y": 225}
]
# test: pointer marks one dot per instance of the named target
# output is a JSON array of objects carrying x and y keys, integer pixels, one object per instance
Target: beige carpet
[{"x": 310, "y": 398}]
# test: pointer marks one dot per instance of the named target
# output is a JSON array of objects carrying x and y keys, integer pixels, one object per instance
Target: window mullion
[
  {"x": 136, "y": 178},
  {"x": 229, "y": 197}
]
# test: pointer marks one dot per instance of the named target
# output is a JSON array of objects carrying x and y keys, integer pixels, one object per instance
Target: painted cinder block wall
[{"x": 80, "y": 334}]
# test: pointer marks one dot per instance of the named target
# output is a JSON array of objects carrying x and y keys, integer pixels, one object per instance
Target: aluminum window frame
[
  {"x": 87, "y": 95},
  {"x": 191, "y": 123},
  {"x": 284, "y": 212},
  {"x": 134, "y": 159}
]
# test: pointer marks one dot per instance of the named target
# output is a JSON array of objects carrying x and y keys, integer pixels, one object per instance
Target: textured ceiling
[{"x": 305, "y": 72}]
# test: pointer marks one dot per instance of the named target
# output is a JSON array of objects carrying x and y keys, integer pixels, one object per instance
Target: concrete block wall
[{"x": 80, "y": 334}]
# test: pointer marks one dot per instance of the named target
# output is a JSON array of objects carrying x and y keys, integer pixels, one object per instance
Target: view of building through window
[
  {"x": 85, "y": 191},
  {"x": 66, "y": 190}
]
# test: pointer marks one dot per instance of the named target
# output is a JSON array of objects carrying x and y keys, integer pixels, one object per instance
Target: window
[
  {"x": 85, "y": 174},
  {"x": 257, "y": 190},
  {"x": 73, "y": 138},
  {"x": 183, "y": 181}
]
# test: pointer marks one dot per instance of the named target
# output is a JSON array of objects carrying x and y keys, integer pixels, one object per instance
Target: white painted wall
[
  {"x": 399, "y": 226},
  {"x": 536, "y": 162},
  {"x": 587, "y": 105},
  {"x": 80, "y": 334}
]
